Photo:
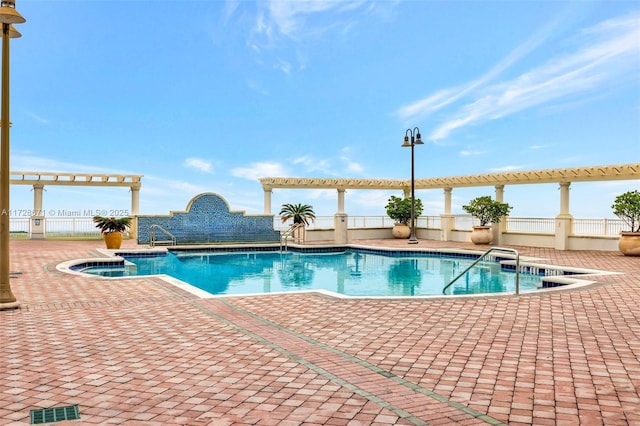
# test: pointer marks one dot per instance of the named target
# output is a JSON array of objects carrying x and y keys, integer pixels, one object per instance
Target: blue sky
[{"x": 209, "y": 96}]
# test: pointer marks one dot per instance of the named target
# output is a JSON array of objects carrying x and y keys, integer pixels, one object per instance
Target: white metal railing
[
  {"x": 70, "y": 227},
  {"x": 356, "y": 222},
  {"x": 20, "y": 227},
  {"x": 599, "y": 227},
  {"x": 464, "y": 222},
  {"x": 531, "y": 225}
]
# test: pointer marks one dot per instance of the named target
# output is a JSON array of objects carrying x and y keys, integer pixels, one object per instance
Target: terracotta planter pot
[
  {"x": 481, "y": 235},
  {"x": 113, "y": 240},
  {"x": 629, "y": 243},
  {"x": 401, "y": 231}
]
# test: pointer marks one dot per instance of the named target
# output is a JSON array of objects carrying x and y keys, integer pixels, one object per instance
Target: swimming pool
[{"x": 348, "y": 272}]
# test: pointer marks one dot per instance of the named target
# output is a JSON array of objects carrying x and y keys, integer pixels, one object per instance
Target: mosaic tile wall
[{"x": 208, "y": 220}]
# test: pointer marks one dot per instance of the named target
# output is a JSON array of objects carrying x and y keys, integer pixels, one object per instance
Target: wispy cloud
[
  {"x": 38, "y": 118},
  {"x": 292, "y": 19},
  {"x": 26, "y": 161},
  {"x": 353, "y": 167},
  {"x": 281, "y": 27},
  {"x": 329, "y": 166},
  {"x": 259, "y": 170},
  {"x": 470, "y": 153},
  {"x": 606, "y": 56},
  {"x": 257, "y": 87},
  {"x": 510, "y": 168},
  {"x": 445, "y": 97},
  {"x": 313, "y": 164},
  {"x": 198, "y": 164}
]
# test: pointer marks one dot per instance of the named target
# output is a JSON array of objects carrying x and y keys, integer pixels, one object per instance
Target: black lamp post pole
[{"x": 415, "y": 140}]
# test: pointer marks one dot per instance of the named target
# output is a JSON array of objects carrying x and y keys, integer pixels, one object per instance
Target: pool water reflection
[{"x": 352, "y": 273}]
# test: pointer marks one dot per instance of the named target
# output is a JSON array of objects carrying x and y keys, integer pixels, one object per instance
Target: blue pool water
[{"x": 350, "y": 273}]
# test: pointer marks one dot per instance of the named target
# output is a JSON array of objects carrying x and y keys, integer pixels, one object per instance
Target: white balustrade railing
[
  {"x": 71, "y": 227},
  {"x": 531, "y": 225},
  {"x": 464, "y": 222},
  {"x": 20, "y": 227},
  {"x": 600, "y": 227}
]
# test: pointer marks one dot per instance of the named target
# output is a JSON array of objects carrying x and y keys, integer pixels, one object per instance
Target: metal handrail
[
  {"x": 284, "y": 237},
  {"x": 152, "y": 235},
  {"x": 482, "y": 257}
]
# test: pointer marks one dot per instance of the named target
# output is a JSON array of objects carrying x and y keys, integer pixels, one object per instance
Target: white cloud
[
  {"x": 511, "y": 168},
  {"x": 469, "y": 153},
  {"x": 350, "y": 165},
  {"x": 24, "y": 161},
  {"x": 38, "y": 118},
  {"x": 281, "y": 28},
  {"x": 198, "y": 164},
  {"x": 289, "y": 17},
  {"x": 313, "y": 165},
  {"x": 157, "y": 185},
  {"x": 370, "y": 198},
  {"x": 606, "y": 57},
  {"x": 257, "y": 87},
  {"x": 321, "y": 194},
  {"x": 353, "y": 167},
  {"x": 259, "y": 170},
  {"x": 445, "y": 97}
]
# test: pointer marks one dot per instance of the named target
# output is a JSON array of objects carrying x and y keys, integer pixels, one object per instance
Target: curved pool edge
[{"x": 559, "y": 283}]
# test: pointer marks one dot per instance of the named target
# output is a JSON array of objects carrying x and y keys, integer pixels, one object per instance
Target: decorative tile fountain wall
[{"x": 208, "y": 219}]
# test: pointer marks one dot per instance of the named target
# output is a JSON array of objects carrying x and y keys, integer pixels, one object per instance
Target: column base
[{"x": 9, "y": 305}]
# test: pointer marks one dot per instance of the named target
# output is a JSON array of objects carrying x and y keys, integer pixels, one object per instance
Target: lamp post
[
  {"x": 415, "y": 140},
  {"x": 8, "y": 16}
]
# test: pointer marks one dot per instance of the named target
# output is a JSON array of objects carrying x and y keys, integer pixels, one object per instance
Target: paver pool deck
[{"x": 143, "y": 352}]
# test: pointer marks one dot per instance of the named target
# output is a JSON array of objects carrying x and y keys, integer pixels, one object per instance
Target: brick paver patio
[{"x": 143, "y": 352}]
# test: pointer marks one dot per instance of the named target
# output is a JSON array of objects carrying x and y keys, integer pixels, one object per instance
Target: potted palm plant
[
  {"x": 112, "y": 229},
  {"x": 399, "y": 209},
  {"x": 627, "y": 207},
  {"x": 487, "y": 211},
  {"x": 302, "y": 215}
]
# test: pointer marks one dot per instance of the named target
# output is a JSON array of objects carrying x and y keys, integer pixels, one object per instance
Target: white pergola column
[
  {"x": 447, "y": 220},
  {"x": 499, "y": 228},
  {"x": 340, "y": 221},
  {"x": 564, "y": 220},
  {"x": 37, "y": 218},
  {"x": 135, "y": 211},
  {"x": 267, "y": 200},
  {"x": 341, "y": 192},
  {"x": 135, "y": 200}
]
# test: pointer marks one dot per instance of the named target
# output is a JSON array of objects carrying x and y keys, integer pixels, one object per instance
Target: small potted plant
[
  {"x": 487, "y": 211},
  {"x": 301, "y": 214},
  {"x": 112, "y": 229},
  {"x": 399, "y": 209},
  {"x": 627, "y": 207}
]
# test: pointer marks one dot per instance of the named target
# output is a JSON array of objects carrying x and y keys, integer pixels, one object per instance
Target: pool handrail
[
  {"x": 284, "y": 237},
  {"x": 504, "y": 249},
  {"x": 152, "y": 236}
]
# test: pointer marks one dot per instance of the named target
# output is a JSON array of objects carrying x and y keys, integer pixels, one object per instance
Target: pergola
[
  {"x": 563, "y": 177},
  {"x": 577, "y": 174},
  {"x": 40, "y": 179}
]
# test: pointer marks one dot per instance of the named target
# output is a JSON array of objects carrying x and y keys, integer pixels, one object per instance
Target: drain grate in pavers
[{"x": 56, "y": 414}]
